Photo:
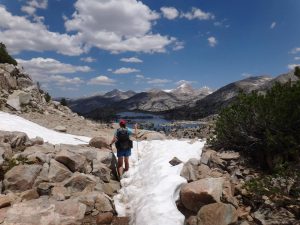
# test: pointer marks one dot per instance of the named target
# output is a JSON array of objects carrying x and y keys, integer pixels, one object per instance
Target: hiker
[{"x": 123, "y": 144}]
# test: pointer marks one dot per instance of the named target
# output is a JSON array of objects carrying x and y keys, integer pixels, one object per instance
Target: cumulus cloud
[
  {"x": 88, "y": 59},
  {"x": 125, "y": 70},
  {"x": 212, "y": 41},
  {"x": 178, "y": 45},
  {"x": 297, "y": 58},
  {"x": 181, "y": 82},
  {"x": 273, "y": 25},
  {"x": 13, "y": 29},
  {"x": 131, "y": 60},
  {"x": 170, "y": 13},
  {"x": 158, "y": 81},
  {"x": 47, "y": 70},
  {"x": 292, "y": 66},
  {"x": 101, "y": 80},
  {"x": 295, "y": 50},
  {"x": 32, "y": 5},
  {"x": 129, "y": 27},
  {"x": 197, "y": 13}
]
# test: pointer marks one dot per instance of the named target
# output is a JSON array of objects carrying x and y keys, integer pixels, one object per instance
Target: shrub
[
  {"x": 47, "y": 97},
  {"x": 5, "y": 57},
  {"x": 267, "y": 127},
  {"x": 63, "y": 102}
]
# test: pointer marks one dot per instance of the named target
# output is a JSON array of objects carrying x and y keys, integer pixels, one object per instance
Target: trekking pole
[{"x": 137, "y": 142}]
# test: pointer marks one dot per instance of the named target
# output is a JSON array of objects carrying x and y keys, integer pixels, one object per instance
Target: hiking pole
[{"x": 137, "y": 141}]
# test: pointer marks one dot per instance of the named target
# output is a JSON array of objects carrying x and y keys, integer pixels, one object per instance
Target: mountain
[{"x": 116, "y": 94}]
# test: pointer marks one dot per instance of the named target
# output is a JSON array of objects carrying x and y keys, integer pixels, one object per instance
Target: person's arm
[
  {"x": 113, "y": 140},
  {"x": 135, "y": 130}
]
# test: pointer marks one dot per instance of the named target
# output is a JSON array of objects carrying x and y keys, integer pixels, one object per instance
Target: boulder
[
  {"x": 44, "y": 188},
  {"x": 278, "y": 216},
  {"x": 44, "y": 211},
  {"x": 21, "y": 177},
  {"x": 190, "y": 170},
  {"x": 151, "y": 135},
  {"x": 102, "y": 171},
  {"x": 18, "y": 99},
  {"x": 37, "y": 141},
  {"x": 78, "y": 182},
  {"x": 58, "y": 172},
  {"x": 217, "y": 214},
  {"x": 29, "y": 195},
  {"x": 60, "y": 193},
  {"x": 60, "y": 129},
  {"x": 205, "y": 157},
  {"x": 75, "y": 162},
  {"x": 202, "y": 192},
  {"x": 99, "y": 142},
  {"x": 10, "y": 68},
  {"x": 24, "y": 82},
  {"x": 175, "y": 161},
  {"x": 104, "y": 218},
  {"x": 229, "y": 155},
  {"x": 11, "y": 81},
  {"x": 5, "y": 201}
]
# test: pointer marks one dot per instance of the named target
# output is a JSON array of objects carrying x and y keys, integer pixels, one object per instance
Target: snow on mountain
[
  {"x": 152, "y": 185},
  {"x": 15, "y": 123}
]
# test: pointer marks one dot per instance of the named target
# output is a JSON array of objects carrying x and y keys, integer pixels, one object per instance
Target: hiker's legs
[
  {"x": 126, "y": 159},
  {"x": 120, "y": 166}
]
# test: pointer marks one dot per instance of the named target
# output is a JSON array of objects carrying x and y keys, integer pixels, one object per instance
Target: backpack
[{"x": 123, "y": 142}]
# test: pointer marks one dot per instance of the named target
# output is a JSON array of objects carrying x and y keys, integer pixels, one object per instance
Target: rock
[
  {"x": 110, "y": 188},
  {"x": 175, "y": 161},
  {"x": 60, "y": 129},
  {"x": 58, "y": 172},
  {"x": 192, "y": 220},
  {"x": 205, "y": 157},
  {"x": 104, "y": 218},
  {"x": 18, "y": 99},
  {"x": 37, "y": 141},
  {"x": 60, "y": 193},
  {"x": 102, "y": 204},
  {"x": 29, "y": 195},
  {"x": 73, "y": 161},
  {"x": 99, "y": 142},
  {"x": 11, "y": 81},
  {"x": 217, "y": 214},
  {"x": 44, "y": 188},
  {"x": 229, "y": 155},
  {"x": 190, "y": 170},
  {"x": 278, "y": 216},
  {"x": 15, "y": 139},
  {"x": 3, "y": 212},
  {"x": 151, "y": 135},
  {"x": 100, "y": 170},
  {"x": 198, "y": 193},
  {"x": 21, "y": 177},
  {"x": 4, "y": 201},
  {"x": 216, "y": 162},
  {"x": 43, "y": 211},
  {"x": 78, "y": 182},
  {"x": 24, "y": 82}
]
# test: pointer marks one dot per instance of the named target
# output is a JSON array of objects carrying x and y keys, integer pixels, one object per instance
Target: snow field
[
  {"x": 152, "y": 185},
  {"x": 9, "y": 122}
]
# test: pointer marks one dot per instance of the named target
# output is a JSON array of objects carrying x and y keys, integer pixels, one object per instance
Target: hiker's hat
[{"x": 122, "y": 122}]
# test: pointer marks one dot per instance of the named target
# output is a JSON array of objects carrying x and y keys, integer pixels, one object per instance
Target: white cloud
[
  {"x": 131, "y": 60},
  {"x": 47, "y": 70},
  {"x": 295, "y": 50},
  {"x": 88, "y": 59},
  {"x": 184, "y": 82},
  {"x": 292, "y": 66},
  {"x": 178, "y": 45},
  {"x": 32, "y": 5},
  {"x": 197, "y": 13},
  {"x": 246, "y": 75},
  {"x": 101, "y": 80},
  {"x": 212, "y": 41},
  {"x": 297, "y": 58},
  {"x": 170, "y": 13},
  {"x": 125, "y": 70},
  {"x": 273, "y": 25},
  {"x": 21, "y": 34},
  {"x": 158, "y": 81},
  {"x": 139, "y": 76},
  {"x": 129, "y": 27}
]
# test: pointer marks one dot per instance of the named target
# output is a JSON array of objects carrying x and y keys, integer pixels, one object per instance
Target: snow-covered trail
[
  {"x": 9, "y": 122},
  {"x": 152, "y": 185}
]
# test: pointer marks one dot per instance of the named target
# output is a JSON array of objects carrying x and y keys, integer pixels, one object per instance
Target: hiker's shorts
[{"x": 124, "y": 153}]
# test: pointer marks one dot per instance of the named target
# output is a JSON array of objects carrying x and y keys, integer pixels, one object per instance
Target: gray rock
[
  {"x": 99, "y": 142},
  {"x": 44, "y": 211},
  {"x": 58, "y": 172},
  {"x": 44, "y": 188},
  {"x": 202, "y": 192},
  {"x": 21, "y": 178},
  {"x": 75, "y": 162},
  {"x": 190, "y": 170},
  {"x": 217, "y": 214},
  {"x": 60, "y": 193},
  {"x": 24, "y": 82},
  {"x": 79, "y": 181},
  {"x": 18, "y": 99},
  {"x": 175, "y": 161},
  {"x": 102, "y": 171},
  {"x": 278, "y": 216},
  {"x": 60, "y": 129}
]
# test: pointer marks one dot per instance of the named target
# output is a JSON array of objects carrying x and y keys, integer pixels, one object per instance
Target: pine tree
[{"x": 5, "y": 57}]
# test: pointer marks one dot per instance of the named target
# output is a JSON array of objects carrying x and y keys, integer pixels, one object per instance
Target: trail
[{"x": 152, "y": 185}]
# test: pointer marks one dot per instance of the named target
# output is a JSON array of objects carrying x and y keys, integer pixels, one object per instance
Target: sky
[{"x": 77, "y": 48}]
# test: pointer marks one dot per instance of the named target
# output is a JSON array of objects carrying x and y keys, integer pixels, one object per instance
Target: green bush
[
  {"x": 47, "y": 97},
  {"x": 267, "y": 127},
  {"x": 5, "y": 57},
  {"x": 63, "y": 102}
]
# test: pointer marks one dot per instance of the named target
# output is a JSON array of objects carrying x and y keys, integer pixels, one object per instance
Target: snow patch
[
  {"x": 12, "y": 123},
  {"x": 152, "y": 185}
]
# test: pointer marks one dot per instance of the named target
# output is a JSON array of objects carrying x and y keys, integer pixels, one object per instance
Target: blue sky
[{"x": 81, "y": 47}]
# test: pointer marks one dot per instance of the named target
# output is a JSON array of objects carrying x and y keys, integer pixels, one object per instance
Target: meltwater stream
[{"x": 152, "y": 185}]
